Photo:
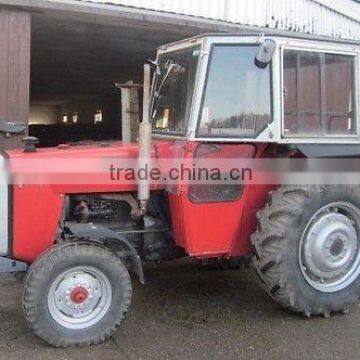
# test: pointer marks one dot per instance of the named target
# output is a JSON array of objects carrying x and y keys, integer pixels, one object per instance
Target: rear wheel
[
  {"x": 76, "y": 294},
  {"x": 308, "y": 250}
]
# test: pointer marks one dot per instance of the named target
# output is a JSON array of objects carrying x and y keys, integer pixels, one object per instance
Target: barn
[{"x": 72, "y": 69}]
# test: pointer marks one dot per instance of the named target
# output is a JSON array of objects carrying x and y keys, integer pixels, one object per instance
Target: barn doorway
[{"x": 75, "y": 66}]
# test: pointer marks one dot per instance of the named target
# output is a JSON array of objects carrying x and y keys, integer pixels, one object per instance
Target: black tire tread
[
  {"x": 270, "y": 243},
  {"x": 44, "y": 264}
]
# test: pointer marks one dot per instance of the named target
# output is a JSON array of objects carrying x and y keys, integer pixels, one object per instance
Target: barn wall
[
  {"x": 340, "y": 18},
  {"x": 14, "y": 70}
]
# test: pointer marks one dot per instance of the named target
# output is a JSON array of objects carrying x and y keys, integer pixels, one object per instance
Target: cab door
[{"x": 208, "y": 217}]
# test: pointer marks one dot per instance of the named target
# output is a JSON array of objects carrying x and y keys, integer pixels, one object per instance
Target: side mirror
[
  {"x": 265, "y": 53},
  {"x": 12, "y": 128}
]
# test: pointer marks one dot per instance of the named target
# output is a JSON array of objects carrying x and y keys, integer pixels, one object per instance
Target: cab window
[
  {"x": 237, "y": 99},
  {"x": 318, "y": 94}
]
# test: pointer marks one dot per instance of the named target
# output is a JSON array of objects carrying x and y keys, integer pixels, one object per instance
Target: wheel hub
[
  {"x": 329, "y": 250},
  {"x": 79, "y": 297},
  {"x": 337, "y": 246}
]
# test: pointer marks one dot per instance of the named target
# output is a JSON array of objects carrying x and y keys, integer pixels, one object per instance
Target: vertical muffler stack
[{"x": 145, "y": 142}]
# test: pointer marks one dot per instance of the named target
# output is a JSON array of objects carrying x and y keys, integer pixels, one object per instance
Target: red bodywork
[{"x": 202, "y": 229}]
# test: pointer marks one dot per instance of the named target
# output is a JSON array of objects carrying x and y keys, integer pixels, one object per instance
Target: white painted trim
[{"x": 4, "y": 201}]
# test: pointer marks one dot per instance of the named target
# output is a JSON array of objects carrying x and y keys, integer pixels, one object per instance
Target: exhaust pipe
[{"x": 145, "y": 142}]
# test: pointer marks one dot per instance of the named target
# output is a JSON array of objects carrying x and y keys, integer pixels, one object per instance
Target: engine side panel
[
  {"x": 37, "y": 208},
  {"x": 36, "y": 213}
]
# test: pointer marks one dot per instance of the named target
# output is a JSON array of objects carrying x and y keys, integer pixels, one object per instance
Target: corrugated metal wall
[{"x": 308, "y": 16}]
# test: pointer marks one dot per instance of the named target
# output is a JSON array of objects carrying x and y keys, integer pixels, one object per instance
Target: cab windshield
[{"x": 173, "y": 90}]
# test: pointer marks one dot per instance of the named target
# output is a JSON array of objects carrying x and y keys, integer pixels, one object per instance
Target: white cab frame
[{"x": 274, "y": 133}]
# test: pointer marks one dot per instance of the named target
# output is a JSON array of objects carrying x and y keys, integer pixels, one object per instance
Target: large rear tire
[
  {"x": 308, "y": 249},
  {"x": 76, "y": 294}
]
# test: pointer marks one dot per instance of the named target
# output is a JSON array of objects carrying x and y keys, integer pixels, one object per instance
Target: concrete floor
[{"x": 185, "y": 312}]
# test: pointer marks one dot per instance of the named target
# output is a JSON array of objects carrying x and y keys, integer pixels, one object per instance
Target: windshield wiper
[{"x": 173, "y": 67}]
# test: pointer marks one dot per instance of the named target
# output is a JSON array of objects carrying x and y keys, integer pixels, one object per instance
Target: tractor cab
[{"x": 257, "y": 88}]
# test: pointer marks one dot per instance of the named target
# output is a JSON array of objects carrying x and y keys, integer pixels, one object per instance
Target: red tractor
[{"x": 216, "y": 96}]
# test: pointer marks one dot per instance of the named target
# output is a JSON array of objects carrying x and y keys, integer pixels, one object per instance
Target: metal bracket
[{"x": 10, "y": 265}]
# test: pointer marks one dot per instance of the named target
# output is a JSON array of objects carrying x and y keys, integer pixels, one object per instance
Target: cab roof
[{"x": 266, "y": 33}]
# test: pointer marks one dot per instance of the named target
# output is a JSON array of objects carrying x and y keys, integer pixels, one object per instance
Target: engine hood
[
  {"x": 96, "y": 150},
  {"x": 83, "y": 167}
]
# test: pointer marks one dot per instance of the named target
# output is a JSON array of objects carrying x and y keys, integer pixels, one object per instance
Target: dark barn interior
[{"x": 75, "y": 65}]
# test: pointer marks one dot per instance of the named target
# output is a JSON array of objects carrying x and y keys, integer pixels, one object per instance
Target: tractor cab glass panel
[
  {"x": 174, "y": 86},
  {"x": 319, "y": 94},
  {"x": 237, "y": 100}
]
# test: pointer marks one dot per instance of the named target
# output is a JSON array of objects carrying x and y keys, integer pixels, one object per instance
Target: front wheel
[
  {"x": 308, "y": 248},
  {"x": 76, "y": 294}
]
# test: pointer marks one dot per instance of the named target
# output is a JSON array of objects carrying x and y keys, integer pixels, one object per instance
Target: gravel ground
[{"x": 185, "y": 312}]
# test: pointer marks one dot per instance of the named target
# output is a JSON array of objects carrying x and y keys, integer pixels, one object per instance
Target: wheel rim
[
  {"x": 329, "y": 251},
  {"x": 80, "y": 297}
]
